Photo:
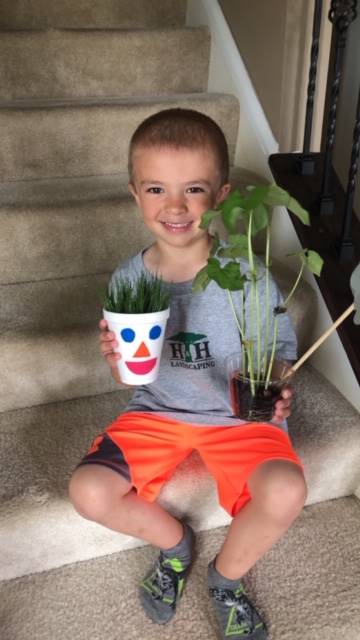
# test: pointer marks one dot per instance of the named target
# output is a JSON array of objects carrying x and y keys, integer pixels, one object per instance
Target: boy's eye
[
  {"x": 156, "y": 190},
  {"x": 196, "y": 190}
]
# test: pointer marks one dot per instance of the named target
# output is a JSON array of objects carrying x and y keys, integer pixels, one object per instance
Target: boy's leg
[
  {"x": 260, "y": 481},
  {"x": 101, "y": 494},
  {"x": 278, "y": 493}
]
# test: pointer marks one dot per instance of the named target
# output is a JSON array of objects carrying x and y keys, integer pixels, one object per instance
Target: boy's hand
[
  {"x": 283, "y": 406},
  {"x": 108, "y": 343}
]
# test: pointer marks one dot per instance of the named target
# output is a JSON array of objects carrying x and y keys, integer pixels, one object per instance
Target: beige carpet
[{"x": 295, "y": 586}]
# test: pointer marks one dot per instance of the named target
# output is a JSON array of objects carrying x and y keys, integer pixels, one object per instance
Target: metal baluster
[
  {"x": 341, "y": 14},
  {"x": 346, "y": 245},
  {"x": 306, "y": 162}
]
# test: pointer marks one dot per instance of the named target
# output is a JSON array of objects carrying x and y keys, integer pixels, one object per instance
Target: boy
[{"x": 178, "y": 166}]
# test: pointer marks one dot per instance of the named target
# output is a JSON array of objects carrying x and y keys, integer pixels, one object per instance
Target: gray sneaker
[
  {"x": 237, "y": 617},
  {"x": 162, "y": 588}
]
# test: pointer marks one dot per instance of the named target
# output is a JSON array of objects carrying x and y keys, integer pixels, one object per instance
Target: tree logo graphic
[{"x": 190, "y": 350}]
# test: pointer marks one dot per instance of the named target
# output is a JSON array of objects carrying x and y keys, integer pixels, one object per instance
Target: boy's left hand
[{"x": 283, "y": 406}]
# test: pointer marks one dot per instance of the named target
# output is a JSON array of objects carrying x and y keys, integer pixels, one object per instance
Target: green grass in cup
[{"x": 146, "y": 295}]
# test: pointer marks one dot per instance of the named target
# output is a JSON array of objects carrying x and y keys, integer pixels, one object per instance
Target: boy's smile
[{"x": 173, "y": 187}]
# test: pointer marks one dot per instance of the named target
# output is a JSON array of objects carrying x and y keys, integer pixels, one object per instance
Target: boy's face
[{"x": 173, "y": 188}]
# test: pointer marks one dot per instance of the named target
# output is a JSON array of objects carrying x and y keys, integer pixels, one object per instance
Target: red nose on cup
[{"x": 142, "y": 351}]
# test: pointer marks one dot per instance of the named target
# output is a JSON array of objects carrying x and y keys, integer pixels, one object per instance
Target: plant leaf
[
  {"x": 257, "y": 197},
  {"x": 301, "y": 213},
  {"x": 314, "y": 261},
  {"x": 201, "y": 280},
  {"x": 234, "y": 199},
  {"x": 276, "y": 196},
  {"x": 230, "y": 218},
  {"x": 279, "y": 197},
  {"x": 238, "y": 247},
  {"x": 207, "y": 218},
  {"x": 227, "y": 277},
  {"x": 260, "y": 219}
]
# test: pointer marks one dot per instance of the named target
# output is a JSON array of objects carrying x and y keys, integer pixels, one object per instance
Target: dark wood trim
[{"x": 322, "y": 236}]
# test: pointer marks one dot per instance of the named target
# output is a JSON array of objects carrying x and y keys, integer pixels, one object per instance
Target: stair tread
[{"x": 111, "y": 101}]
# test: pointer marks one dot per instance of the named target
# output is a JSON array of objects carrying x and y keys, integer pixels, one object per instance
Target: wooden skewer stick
[{"x": 318, "y": 342}]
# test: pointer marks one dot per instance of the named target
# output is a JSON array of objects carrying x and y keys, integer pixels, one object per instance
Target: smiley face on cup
[{"x": 140, "y": 347}]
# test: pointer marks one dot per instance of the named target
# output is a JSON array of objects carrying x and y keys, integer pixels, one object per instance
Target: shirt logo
[{"x": 190, "y": 351}]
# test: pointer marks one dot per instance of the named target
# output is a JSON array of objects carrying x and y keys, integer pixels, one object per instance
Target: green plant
[
  {"x": 146, "y": 295},
  {"x": 244, "y": 216}
]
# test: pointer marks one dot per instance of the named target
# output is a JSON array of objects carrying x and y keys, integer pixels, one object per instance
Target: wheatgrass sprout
[{"x": 147, "y": 294}]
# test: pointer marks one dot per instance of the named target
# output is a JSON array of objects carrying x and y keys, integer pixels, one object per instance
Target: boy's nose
[{"x": 176, "y": 204}]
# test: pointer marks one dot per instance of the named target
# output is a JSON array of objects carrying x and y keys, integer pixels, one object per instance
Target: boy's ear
[
  {"x": 132, "y": 190},
  {"x": 222, "y": 193}
]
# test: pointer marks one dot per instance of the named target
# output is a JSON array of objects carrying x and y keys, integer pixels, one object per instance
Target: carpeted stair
[{"x": 75, "y": 80}]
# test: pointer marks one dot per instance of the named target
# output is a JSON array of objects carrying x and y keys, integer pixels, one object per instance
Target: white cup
[{"x": 141, "y": 338}]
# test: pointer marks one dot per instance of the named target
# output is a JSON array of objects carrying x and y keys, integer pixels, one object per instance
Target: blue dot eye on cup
[
  {"x": 128, "y": 335},
  {"x": 155, "y": 332}
]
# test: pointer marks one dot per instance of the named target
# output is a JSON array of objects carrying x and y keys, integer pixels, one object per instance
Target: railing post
[
  {"x": 306, "y": 162},
  {"x": 341, "y": 14},
  {"x": 346, "y": 245}
]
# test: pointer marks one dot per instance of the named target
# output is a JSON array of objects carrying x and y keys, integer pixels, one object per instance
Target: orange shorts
[{"x": 146, "y": 448}]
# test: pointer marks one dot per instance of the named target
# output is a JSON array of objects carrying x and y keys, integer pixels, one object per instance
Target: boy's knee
[
  {"x": 281, "y": 489},
  {"x": 90, "y": 492}
]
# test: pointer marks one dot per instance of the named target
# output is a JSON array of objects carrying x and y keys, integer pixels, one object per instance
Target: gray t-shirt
[{"x": 192, "y": 385}]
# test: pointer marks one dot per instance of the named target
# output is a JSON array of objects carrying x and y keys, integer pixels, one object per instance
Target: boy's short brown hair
[{"x": 182, "y": 128}]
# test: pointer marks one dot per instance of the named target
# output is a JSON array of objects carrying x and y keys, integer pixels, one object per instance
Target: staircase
[{"x": 75, "y": 81}]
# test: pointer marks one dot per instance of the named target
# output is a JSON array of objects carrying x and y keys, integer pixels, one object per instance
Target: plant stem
[
  {"x": 285, "y": 303},
  {"x": 267, "y": 296},
  {"x": 251, "y": 341},
  {"x": 272, "y": 357},
  {"x": 244, "y": 363},
  {"x": 241, "y": 328},
  {"x": 236, "y": 317}
]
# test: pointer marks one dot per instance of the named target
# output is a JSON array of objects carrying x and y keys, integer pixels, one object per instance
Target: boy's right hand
[{"x": 108, "y": 343}]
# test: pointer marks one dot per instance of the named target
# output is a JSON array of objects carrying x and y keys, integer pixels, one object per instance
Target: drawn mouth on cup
[{"x": 141, "y": 368}]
